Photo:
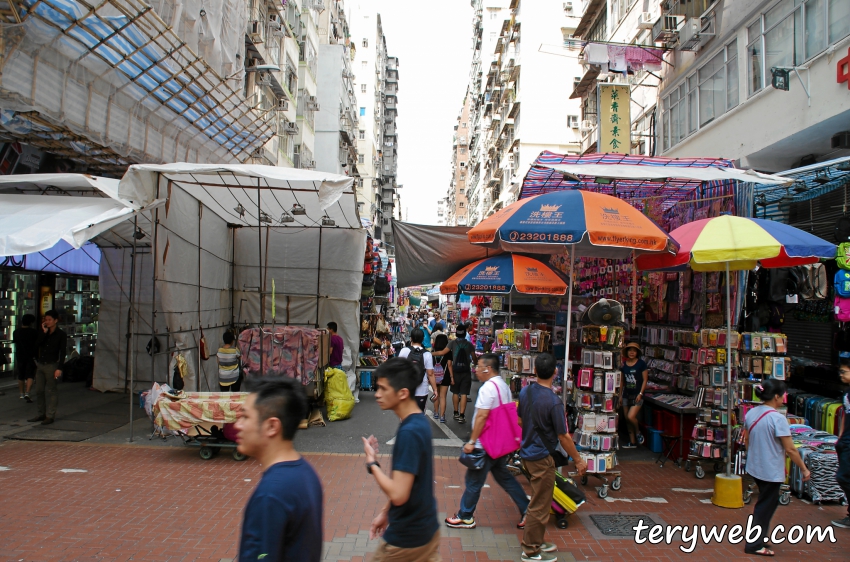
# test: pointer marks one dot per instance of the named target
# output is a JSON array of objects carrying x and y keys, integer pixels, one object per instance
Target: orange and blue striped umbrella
[
  {"x": 743, "y": 243},
  {"x": 502, "y": 274},
  {"x": 594, "y": 224}
]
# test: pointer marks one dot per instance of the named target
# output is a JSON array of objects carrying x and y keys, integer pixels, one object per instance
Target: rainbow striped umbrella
[
  {"x": 591, "y": 224},
  {"x": 729, "y": 243},
  {"x": 504, "y": 273}
]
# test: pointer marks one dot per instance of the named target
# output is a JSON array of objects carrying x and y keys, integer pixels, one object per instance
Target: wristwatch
[
  {"x": 470, "y": 443},
  {"x": 369, "y": 466}
]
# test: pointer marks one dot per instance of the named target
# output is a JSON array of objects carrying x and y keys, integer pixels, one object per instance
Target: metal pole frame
[
  {"x": 567, "y": 370},
  {"x": 154, "y": 228},
  {"x": 728, "y": 375},
  {"x": 130, "y": 325},
  {"x": 260, "y": 270}
]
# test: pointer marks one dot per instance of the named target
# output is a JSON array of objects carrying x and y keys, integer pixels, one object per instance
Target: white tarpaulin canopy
[
  {"x": 641, "y": 172},
  {"x": 222, "y": 241}
]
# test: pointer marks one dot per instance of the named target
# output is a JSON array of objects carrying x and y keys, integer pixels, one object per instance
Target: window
[
  {"x": 463, "y": 125},
  {"x": 463, "y": 150},
  {"x": 460, "y": 204},
  {"x": 365, "y": 63},
  {"x": 365, "y": 43},
  {"x": 362, "y": 112},
  {"x": 494, "y": 14},
  {"x": 790, "y": 33},
  {"x": 463, "y": 164},
  {"x": 463, "y": 177},
  {"x": 572, "y": 121},
  {"x": 703, "y": 97},
  {"x": 492, "y": 36},
  {"x": 362, "y": 135},
  {"x": 363, "y": 88},
  {"x": 361, "y": 159}
]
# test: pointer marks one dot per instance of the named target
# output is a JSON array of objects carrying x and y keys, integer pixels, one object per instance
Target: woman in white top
[{"x": 768, "y": 441}]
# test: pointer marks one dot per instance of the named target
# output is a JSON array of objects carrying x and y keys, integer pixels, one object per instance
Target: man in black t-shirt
[
  {"x": 842, "y": 446},
  {"x": 283, "y": 517},
  {"x": 408, "y": 522}
]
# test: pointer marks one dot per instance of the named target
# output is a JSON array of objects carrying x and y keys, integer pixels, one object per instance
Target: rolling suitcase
[
  {"x": 795, "y": 477},
  {"x": 820, "y": 415},
  {"x": 791, "y": 400},
  {"x": 566, "y": 499},
  {"x": 831, "y": 416},
  {"x": 800, "y": 404},
  {"x": 366, "y": 380},
  {"x": 811, "y": 408},
  {"x": 822, "y": 487}
]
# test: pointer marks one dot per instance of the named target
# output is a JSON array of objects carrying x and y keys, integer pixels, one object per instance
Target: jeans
[
  {"x": 842, "y": 475},
  {"x": 475, "y": 480},
  {"x": 542, "y": 479},
  {"x": 763, "y": 511}
]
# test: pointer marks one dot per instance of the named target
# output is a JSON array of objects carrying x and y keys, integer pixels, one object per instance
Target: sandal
[
  {"x": 763, "y": 551},
  {"x": 521, "y": 524}
]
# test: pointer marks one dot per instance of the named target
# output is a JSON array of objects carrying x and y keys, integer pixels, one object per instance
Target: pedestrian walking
[
  {"x": 492, "y": 393},
  {"x": 25, "y": 339},
  {"x": 842, "y": 446},
  {"x": 768, "y": 439},
  {"x": 283, "y": 517},
  {"x": 635, "y": 376},
  {"x": 544, "y": 427},
  {"x": 426, "y": 333},
  {"x": 49, "y": 361},
  {"x": 441, "y": 375},
  {"x": 416, "y": 353},
  {"x": 461, "y": 357},
  {"x": 337, "y": 345},
  {"x": 408, "y": 523},
  {"x": 229, "y": 359}
]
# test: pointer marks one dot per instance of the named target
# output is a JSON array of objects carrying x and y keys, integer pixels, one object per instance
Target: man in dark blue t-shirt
[
  {"x": 842, "y": 447},
  {"x": 283, "y": 517},
  {"x": 408, "y": 522},
  {"x": 544, "y": 427}
]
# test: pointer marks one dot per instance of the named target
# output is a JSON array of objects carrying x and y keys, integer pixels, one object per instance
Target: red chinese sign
[{"x": 844, "y": 70}]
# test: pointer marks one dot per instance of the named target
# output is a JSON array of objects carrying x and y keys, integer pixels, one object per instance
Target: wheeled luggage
[
  {"x": 831, "y": 417},
  {"x": 822, "y": 486},
  {"x": 566, "y": 499},
  {"x": 366, "y": 382}
]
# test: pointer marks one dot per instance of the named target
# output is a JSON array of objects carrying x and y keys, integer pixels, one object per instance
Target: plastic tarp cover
[
  {"x": 31, "y": 223},
  {"x": 640, "y": 172},
  {"x": 427, "y": 254}
]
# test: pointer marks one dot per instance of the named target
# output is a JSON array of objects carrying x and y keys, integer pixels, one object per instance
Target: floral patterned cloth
[
  {"x": 289, "y": 351},
  {"x": 194, "y": 408}
]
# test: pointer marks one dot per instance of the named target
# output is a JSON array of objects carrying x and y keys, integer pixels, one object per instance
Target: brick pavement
[{"x": 165, "y": 504}]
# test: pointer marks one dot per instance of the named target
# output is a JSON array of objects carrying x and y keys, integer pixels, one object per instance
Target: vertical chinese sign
[{"x": 615, "y": 122}]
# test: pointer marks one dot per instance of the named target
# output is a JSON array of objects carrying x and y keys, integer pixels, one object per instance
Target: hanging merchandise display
[{"x": 18, "y": 297}]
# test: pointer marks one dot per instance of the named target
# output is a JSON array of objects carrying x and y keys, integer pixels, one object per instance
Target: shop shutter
[{"x": 812, "y": 340}]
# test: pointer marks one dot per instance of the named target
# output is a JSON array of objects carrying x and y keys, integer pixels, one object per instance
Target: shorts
[
  {"x": 429, "y": 552},
  {"x": 629, "y": 401},
  {"x": 25, "y": 370},
  {"x": 463, "y": 383},
  {"x": 422, "y": 401}
]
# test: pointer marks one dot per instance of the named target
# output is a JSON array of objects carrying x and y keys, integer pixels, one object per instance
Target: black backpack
[
  {"x": 382, "y": 286},
  {"x": 417, "y": 355},
  {"x": 460, "y": 357}
]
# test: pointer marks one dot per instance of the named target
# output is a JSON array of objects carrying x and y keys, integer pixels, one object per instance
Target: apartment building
[
  {"x": 517, "y": 90},
  {"x": 442, "y": 205},
  {"x": 336, "y": 122},
  {"x": 618, "y": 48},
  {"x": 456, "y": 201},
  {"x": 377, "y": 108},
  {"x": 761, "y": 82}
]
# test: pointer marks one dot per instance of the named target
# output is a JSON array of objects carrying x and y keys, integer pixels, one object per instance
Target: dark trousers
[
  {"x": 763, "y": 511},
  {"x": 842, "y": 475},
  {"x": 475, "y": 480},
  {"x": 46, "y": 389},
  {"x": 233, "y": 387}
]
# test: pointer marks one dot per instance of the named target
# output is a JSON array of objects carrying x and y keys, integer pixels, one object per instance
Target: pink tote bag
[{"x": 502, "y": 433}]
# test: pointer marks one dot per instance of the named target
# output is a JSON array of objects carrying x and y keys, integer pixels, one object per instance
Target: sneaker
[
  {"x": 641, "y": 439},
  {"x": 456, "y": 522},
  {"x": 548, "y": 547},
  {"x": 36, "y": 419},
  {"x": 843, "y": 523},
  {"x": 21, "y": 396},
  {"x": 47, "y": 421},
  {"x": 629, "y": 446},
  {"x": 456, "y": 416},
  {"x": 436, "y": 416},
  {"x": 540, "y": 557},
  {"x": 461, "y": 419},
  {"x": 443, "y": 419},
  {"x": 27, "y": 398}
]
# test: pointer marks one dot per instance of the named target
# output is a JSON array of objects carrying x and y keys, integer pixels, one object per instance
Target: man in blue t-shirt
[
  {"x": 283, "y": 517},
  {"x": 408, "y": 522},
  {"x": 842, "y": 446},
  {"x": 544, "y": 427}
]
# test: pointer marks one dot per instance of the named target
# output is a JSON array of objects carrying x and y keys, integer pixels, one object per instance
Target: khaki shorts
[{"x": 426, "y": 553}]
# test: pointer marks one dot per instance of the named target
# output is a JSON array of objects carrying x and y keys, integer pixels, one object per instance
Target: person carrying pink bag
[{"x": 495, "y": 430}]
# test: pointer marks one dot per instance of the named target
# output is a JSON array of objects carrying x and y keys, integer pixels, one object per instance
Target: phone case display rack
[
  {"x": 17, "y": 297},
  {"x": 518, "y": 348},
  {"x": 77, "y": 300},
  {"x": 695, "y": 363},
  {"x": 594, "y": 397}
]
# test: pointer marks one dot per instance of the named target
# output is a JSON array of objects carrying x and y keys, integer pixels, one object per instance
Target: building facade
[
  {"x": 761, "y": 82},
  {"x": 377, "y": 107},
  {"x": 518, "y": 105},
  {"x": 456, "y": 201}
]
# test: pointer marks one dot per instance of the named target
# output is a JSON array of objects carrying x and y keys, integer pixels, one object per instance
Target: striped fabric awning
[{"x": 541, "y": 180}]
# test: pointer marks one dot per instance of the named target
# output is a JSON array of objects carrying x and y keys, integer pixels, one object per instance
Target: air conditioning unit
[
  {"x": 274, "y": 21},
  {"x": 282, "y": 105},
  {"x": 319, "y": 5},
  {"x": 255, "y": 31},
  {"x": 568, "y": 7},
  {"x": 689, "y": 39},
  {"x": 264, "y": 79},
  {"x": 645, "y": 20},
  {"x": 574, "y": 124},
  {"x": 666, "y": 28},
  {"x": 586, "y": 126},
  {"x": 310, "y": 164},
  {"x": 290, "y": 128}
]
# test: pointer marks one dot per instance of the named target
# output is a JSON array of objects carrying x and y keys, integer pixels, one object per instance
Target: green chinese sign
[{"x": 614, "y": 118}]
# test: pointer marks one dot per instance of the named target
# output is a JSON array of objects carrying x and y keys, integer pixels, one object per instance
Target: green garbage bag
[{"x": 338, "y": 397}]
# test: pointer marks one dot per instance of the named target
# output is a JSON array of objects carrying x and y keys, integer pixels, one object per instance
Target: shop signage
[
  {"x": 843, "y": 71},
  {"x": 614, "y": 101}
]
